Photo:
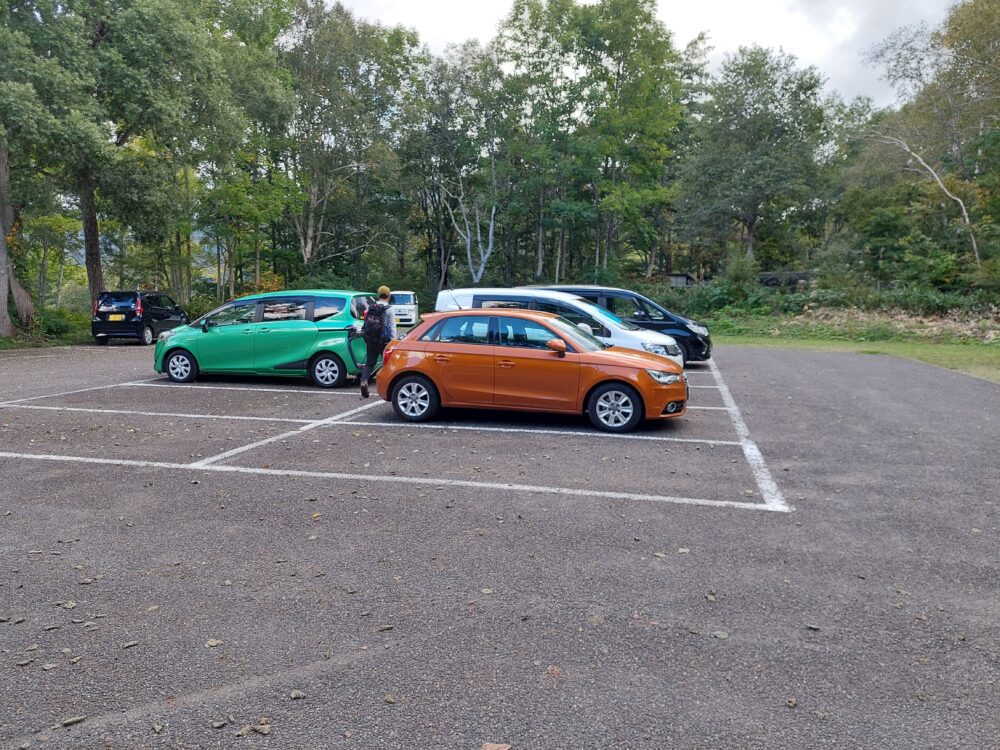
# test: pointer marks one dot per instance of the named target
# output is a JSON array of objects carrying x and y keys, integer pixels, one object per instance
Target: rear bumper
[{"x": 104, "y": 329}]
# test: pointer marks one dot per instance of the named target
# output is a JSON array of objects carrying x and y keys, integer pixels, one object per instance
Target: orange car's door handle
[
  {"x": 505, "y": 363},
  {"x": 441, "y": 359}
]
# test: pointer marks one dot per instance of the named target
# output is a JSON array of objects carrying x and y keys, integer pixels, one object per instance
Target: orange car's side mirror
[{"x": 557, "y": 345}]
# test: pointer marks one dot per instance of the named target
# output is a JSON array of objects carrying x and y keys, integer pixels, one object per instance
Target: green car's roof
[{"x": 294, "y": 292}]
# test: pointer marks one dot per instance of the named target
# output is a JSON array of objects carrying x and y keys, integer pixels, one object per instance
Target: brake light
[
  {"x": 96, "y": 305},
  {"x": 138, "y": 307},
  {"x": 388, "y": 352}
]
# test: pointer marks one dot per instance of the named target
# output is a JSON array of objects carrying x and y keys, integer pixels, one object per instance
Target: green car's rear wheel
[{"x": 327, "y": 370}]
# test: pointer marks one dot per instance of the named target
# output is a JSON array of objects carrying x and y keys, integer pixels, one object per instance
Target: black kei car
[
  {"x": 134, "y": 315},
  {"x": 691, "y": 336}
]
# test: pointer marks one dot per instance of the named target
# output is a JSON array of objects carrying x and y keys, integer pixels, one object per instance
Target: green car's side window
[{"x": 234, "y": 315}]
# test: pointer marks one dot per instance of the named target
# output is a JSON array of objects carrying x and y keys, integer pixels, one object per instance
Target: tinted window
[
  {"x": 654, "y": 313},
  {"x": 152, "y": 300},
  {"x": 574, "y": 316},
  {"x": 116, "y": 300},
  {"x": 327, "y": 307},
  {"x": 165, "y": 301},
  {"x": 242, "y": 312},
  {"x": 634, "y": 308},
  {"x": 402, "y": 299},
  {"x": 525, "y": 334},
  {"x": 287, "y": 308},
  {"x": 461, "y": 330}
]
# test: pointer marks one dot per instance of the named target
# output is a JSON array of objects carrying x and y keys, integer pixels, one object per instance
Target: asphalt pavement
[{"x": 254, "y": 563}]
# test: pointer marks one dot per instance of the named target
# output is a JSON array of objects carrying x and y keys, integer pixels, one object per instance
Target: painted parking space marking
[
  {"x": 709, "y": 408},
  {"x": 177, "y": 415},
  {"x": 161, "y": 383},
  {"x": 536, "y": 431},
  {"x": 765, "y": 482},
  {"x": 421, "y": 481},
  {"x": 67, "y": 393},
  {"x": 283, "y": 436},
  {"x": 714, "y": 387}
]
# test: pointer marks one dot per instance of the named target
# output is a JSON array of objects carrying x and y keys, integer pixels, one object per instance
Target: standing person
[{"x": 378, "y": 329}]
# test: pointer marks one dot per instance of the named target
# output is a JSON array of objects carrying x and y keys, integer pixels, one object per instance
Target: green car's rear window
[{"x": 327, "y": 307}]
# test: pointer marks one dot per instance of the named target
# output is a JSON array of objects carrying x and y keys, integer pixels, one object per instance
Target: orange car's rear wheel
[
  {"x": 615, "y": 407},
  {"x": 415, "y": 399}
]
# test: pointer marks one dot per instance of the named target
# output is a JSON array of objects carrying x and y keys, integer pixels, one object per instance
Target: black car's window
[
  {"x": 327, "y": 307},
  {"x": 236, "y": 314},
  {"x": 165, "y": 301},
  {"x": 461, "y": 330},
  {"x": 116, "y": 300},
  {"x": 151, "y": 300},
  {"x": 524, "y": 334},
  {"x": 284, "y": 308},
  {"x": 651, "y": 311},
  {"x": 574, "y": 316}
]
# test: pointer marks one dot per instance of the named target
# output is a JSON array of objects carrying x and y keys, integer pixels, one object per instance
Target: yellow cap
[{"x": 384, "y": 291}]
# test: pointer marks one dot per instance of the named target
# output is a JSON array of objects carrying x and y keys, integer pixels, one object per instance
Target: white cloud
[{"x": 830, "y": 34}]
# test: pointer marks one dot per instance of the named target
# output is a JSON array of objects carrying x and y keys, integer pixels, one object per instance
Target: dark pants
[{"x": 374, "y": 351}]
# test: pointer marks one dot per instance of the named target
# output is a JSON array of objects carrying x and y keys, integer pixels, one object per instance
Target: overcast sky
[{"x": 830, "y": 34}]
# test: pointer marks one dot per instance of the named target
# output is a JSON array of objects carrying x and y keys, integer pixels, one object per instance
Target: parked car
[
  {"x": 591, "y": 318},
  {"x": 692, "y": 336},
  {"x": 524, "y": 360},
  {"x": 134, "y": 315},
  {"x": 302, "y": 332},
  {"x": 404, "y": 308}
]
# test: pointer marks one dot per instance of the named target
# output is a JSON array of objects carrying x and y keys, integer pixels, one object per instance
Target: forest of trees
[{"x": 216, "y": 147}]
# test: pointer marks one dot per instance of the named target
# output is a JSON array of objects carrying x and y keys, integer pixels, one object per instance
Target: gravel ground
[{"x": 180, "y": 608}]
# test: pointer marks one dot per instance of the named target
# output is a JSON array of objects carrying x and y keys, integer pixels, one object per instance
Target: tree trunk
[
  {"x": 42, "y": 275},
  {"x": 11, "y": 287},
  {"x": 256, "y": 261},
  {"x": 218, "y": 270},
  {"x": 91, "y": 238},
  {"x": 59, "y": 283},
  {"x": 539, "y": 235}
]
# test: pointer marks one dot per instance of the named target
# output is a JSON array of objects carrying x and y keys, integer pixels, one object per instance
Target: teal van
[{"x": 307, "y": 332}]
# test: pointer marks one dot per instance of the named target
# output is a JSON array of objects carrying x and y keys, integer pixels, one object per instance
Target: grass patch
[{"x": 978, "y": 360}]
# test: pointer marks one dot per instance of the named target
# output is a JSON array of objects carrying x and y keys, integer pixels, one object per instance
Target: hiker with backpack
[{"x": 378, "y": 330}]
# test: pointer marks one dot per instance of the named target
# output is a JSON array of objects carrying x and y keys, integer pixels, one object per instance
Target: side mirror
[
  {"x": 640, "y": 315},
  {"x": 558, "y": 346},
  {"x": 204, "y": 326},
  {"x": 585, "y": 328}
]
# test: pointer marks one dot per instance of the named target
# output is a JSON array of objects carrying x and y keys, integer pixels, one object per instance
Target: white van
[
  {"x": 404, "y": 308},
  {"x": 605, "y": 326}
]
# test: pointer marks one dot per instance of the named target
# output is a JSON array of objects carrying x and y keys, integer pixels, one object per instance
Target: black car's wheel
[
  {"x": 415, "y": 399},
  {"x": 615, "y": 407},
  {"x": 101, "y": 340},
  {"x": 147, "y": 337},
  {"x": 181, "y": 366},
  {"x": 327, "y": 370}
]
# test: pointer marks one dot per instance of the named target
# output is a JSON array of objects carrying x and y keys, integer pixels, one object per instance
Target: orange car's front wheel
[{"x": 615, "y": 407}]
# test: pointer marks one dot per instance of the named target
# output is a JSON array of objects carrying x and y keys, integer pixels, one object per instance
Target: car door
[
  {"x": 152, "y": 313},
  {"x": 459, "y": 356},
  {"x": 226, "y": 342},
  {"x": 529, "y": 375},
  {"x": 173, "y": 316},
  {"x": 285, "y": 334}
]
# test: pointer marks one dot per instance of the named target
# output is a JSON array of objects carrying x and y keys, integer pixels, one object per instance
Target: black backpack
[{"x": 374, "y": 324}]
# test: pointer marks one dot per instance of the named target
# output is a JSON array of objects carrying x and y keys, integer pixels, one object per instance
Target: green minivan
[{"x": 296, "y": 333}]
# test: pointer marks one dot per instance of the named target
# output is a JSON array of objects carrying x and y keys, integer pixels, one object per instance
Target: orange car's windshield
[{"x": 580, "y": 339}]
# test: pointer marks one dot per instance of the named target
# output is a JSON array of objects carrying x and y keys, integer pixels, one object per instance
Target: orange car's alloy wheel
[{"x": 414, "y": 399}]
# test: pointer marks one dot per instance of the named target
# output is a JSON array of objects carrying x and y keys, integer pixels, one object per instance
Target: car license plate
[{"x": 116, "y": 316}]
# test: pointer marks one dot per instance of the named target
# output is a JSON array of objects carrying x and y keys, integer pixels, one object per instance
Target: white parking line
[
  {"x": 160, "y": 383},
  {"x": 713, "y": 387},
  {"x": 768, "y": 487},
  {"x": 537, "y": 431},
  {"x": 420, "y": 481},
  {"x": 709, "y": 408},
  {"x": 154, "y": 413},
  {"x": 283, "y": 436},
  {"x": 67, "y": 393}
]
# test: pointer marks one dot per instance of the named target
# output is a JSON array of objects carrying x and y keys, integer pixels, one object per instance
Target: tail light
[
  {"x": 96, "y": 305},
  {"x": 138, "y": 307},
  {"x": 388, "y": 352}
]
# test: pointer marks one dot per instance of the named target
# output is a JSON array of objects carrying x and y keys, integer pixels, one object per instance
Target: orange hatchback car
[{"x": 526, "y": 361}]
